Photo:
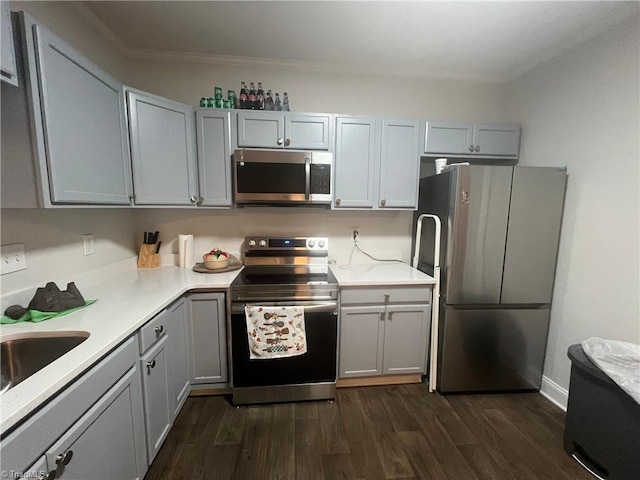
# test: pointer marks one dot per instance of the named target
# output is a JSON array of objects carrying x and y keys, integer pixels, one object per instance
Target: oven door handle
[
  {"x": 307, "y": 175},
  {"x": 314, "y": 307}
]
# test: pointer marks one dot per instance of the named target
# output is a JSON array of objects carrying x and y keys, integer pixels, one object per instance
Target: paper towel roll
[{"x": 185, "y": 251}]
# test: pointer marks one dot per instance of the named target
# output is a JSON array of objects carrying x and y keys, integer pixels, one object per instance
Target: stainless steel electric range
[{"x": 286, "y": 271}]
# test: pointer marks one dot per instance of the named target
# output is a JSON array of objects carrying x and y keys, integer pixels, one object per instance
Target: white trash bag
[{"x": 619, "y": 360}]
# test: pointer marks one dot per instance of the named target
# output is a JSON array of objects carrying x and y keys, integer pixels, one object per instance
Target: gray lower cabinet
[
  {"x": 177, "y": 357},
  {"x": 155, "y": 382},
  {"x": 162, "y": 150},
  {"x": 299, "y": 131},
  {"x": 78, "y": 124},
  {"x": 207, "y": 338},
  {"x": 102, "y": 443},
  {"x": 377, "y": 163},
  {"x": 213, "y": 133},
  {"x": 384, "y": 331},
  {"x": 93, "y": 429},
  {"x": 464, "y": 139}
]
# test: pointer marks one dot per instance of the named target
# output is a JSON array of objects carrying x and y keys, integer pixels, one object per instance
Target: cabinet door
[
  {"x": 207, "y": 338},
  {"x": 498, "y": 140},
  {"x": 84, "y": 126},
  {"x": 8, "y": 70},
  {"x": 361, "y": 341},
  {"x": 156, "y": 397},
  {"x": 355, "y": 162},
  {"x": 307, "y": 132},
  {"x": 406, "y": 335},
  {"x": 108, "y": 440},
  {"x": 177, "y": 357},
  {"x": 449, "y": 137},
  {"x": 260, "y": 129},
  {"x": 213, "y": 132},
  {"x": 162, "y": 150},
  {"x": 399, "y": 164}
]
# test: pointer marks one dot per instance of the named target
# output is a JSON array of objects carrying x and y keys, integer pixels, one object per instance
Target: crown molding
[{"x": 93, "y": 20}]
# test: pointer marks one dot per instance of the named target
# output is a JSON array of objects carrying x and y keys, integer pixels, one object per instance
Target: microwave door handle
[{"x": 307, "y": 171}]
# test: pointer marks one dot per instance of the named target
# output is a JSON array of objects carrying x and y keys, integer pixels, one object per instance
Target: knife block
[{"x": 147, "y": 256}]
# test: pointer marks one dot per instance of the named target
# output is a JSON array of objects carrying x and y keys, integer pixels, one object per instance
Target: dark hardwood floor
[{"x": 393, "y": 432}]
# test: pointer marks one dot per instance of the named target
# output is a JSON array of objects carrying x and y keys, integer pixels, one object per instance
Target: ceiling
[{"x": 480, "y": 41}]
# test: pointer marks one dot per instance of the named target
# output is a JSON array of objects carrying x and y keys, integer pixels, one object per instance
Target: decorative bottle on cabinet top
[
  {"x": 277, "y": 105},
  {"x": 285, "y": 102}
]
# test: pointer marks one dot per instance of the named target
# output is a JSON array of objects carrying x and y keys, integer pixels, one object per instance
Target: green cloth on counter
[{"x": 38, "y": 316}]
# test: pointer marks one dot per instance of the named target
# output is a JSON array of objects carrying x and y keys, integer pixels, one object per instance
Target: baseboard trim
[
  {"x": 380, "y": 380},
  {"x": 554, "y": 393}
]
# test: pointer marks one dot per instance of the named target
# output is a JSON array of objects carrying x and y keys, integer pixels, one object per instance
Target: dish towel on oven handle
[{"x": 275, "y": 331}]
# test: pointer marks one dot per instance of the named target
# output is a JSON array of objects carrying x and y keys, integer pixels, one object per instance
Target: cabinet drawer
[
  {"x": 404, "y": 294},
  {"x": 153, "y": 330}
]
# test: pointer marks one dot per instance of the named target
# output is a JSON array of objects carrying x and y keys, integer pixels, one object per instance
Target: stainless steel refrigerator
[{"x": 499, "y": 245}]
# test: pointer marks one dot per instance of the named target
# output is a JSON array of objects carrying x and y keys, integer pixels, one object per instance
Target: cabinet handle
[
  {"x": 280, "y": 141},
  {"x": 386, "y": 297},
  {"x": 389, "y": 314},
  {"x": 338, "y": 201},
  {"x": 471, "y": 148},
  {"x": 382, "y": 315},
  {"x": 477, "y": 148},
  {"x": 383, "y": 202},
  {"x": 200, "y": 200},
  {"x": 159, "y": 329},
  {"x": 48, "y": 476},
  {"x": 131, "y": 196},
  {"x": 193, "y": 199},
  {"x": 287, "y": 142},
  {"x": 64, "y": 458},
  {"x": 151, "y": 364}
]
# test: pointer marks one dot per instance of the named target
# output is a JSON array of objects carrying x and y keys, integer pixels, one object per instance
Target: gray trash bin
[{"x": 602, "y": 426}]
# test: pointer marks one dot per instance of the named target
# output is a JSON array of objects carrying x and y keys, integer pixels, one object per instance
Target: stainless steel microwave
[{"x": 280, "y": 177}]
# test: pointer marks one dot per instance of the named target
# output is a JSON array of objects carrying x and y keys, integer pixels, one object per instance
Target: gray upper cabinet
[
  {"x": 162, "y": 150},
  {"x": 207, "y": 338},
  {"x": 461, "y": 139},
  {"x": 8, "y": 70},
  {"x": 308, "y": 131},
  {"x": 356, "y": 155},
  {"x": 399, "y": 164},
  {"x": 213, "y": 132},
  {"x": 377, "y": 163},
  {"x": 79, "y": 123}
]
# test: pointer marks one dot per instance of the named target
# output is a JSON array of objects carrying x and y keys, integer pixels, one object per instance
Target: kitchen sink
[{"x": 23, "y": 355}]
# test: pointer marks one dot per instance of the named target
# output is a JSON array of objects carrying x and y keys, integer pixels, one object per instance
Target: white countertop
[
  {"x": 125, "y": 303},
  {"x": 387, "y": 273}
]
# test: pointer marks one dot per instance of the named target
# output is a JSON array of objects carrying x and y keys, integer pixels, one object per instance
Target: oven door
[{"x": 317, "y": 365}]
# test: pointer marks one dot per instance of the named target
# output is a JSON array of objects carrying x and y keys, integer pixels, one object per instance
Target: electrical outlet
[
  {"x": 88, "y": 245},
  {"x": 355, "y": 233},
  {"x": 13, "y": 258}
]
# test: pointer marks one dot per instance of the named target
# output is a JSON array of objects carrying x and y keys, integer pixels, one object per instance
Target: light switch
[
  {"x": 13, "y": 258},
  {"x": 88, "y": 245}
]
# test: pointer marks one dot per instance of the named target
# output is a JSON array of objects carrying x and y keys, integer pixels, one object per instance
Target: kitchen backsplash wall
[
  {"x": 53, "y": 242},
  {"x": 382, "y": 234}
]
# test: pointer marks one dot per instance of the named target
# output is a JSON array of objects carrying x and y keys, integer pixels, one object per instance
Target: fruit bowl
[{"x": 216, "y": 259}]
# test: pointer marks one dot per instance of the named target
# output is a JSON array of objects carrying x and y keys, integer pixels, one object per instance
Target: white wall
[
  {"x": 384, "y": 234},
  {"x": 582, "y": 110}
]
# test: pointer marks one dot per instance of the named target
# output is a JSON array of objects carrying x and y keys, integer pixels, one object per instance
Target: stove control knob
[
  {"x": 263, "y": 243},
  {"x": 311, "y": 243},
  {"x": 252, "y": 243},
  {"x": 321, "y": 243}
]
